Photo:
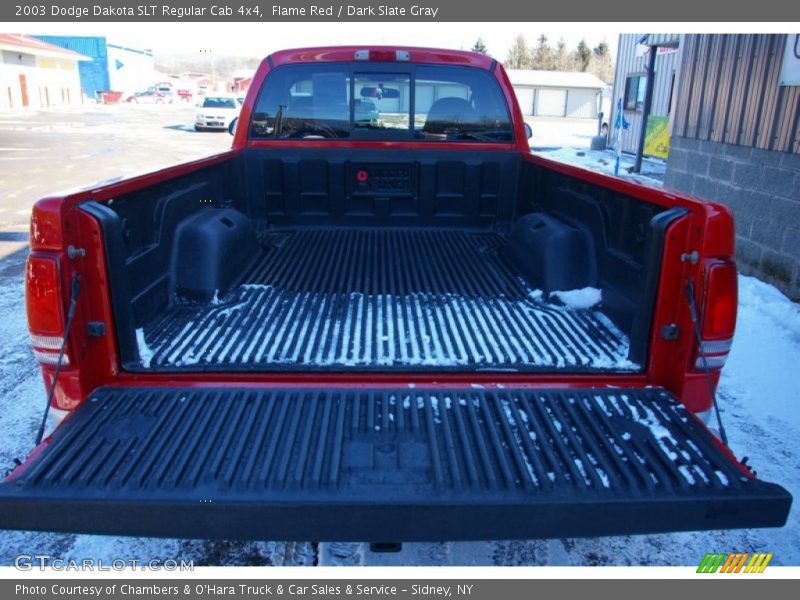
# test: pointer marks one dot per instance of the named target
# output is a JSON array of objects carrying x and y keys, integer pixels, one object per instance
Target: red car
[
  {"x": 382, "y": 325},
  {"x": 148, "y": 97}
]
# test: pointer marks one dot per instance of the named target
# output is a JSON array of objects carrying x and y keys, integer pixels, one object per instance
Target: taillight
[
  {"x": 719, "y": 313},
  {"x": 45, "y": 309},
  {"x": 383, "y": 55}
]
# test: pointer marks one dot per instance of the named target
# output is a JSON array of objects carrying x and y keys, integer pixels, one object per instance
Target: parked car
[
  {"x": 185, "y": 95},
  {"x": 216, "y": 112},
  {"x": 148, "y": 97},
  {"x": 169, "y": 93},
  {"x": 413, "y": 330},
  {"x": 365, "y": 112}
]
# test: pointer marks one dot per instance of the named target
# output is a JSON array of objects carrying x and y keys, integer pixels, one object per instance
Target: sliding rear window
[{"x": 381, "y": 101}]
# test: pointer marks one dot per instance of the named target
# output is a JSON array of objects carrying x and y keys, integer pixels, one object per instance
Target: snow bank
[
  {"x": 762, "y": 366},
  {"x": 583, "y": 298},
  {"x": 145, "y": 353}
]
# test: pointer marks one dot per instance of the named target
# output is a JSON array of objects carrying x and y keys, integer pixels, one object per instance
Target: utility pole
[
  {"x": 211, "y": 66},
  {"x": 648, "y": 102},
  {"x": 648, "y": 97}
]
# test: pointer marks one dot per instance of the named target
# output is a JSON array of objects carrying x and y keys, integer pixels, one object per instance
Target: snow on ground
[
  {"x": 768, "y": 325},
  {"x": 568, "y": 140},
  {"x": 652, "y": 174},
  {"x": 560, "y": 132}
]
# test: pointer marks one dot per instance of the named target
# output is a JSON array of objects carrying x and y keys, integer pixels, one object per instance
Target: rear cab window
[{"x": 381, "y": 101}]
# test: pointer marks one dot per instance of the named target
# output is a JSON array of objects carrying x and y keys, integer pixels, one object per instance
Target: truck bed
[{"x": 380, "y": 299}]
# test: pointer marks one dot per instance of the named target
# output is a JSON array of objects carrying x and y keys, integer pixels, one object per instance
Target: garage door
[
  {"x": 582, "y": 103},
  {"x": 525, "y": 99},
  {"x": 551, "y": 103}
]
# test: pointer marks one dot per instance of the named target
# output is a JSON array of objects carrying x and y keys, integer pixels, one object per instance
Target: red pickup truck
[{"x": 379, "y": 317}]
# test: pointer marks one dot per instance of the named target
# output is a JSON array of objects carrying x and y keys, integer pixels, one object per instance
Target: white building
[
  {"x": 558, "y": 93},
  {"x": 36, "y": 74},
  {"x": 131, "y": 69}
]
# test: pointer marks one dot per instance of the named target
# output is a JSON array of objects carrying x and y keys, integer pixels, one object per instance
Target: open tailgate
[{"x": 384, "y": 465}]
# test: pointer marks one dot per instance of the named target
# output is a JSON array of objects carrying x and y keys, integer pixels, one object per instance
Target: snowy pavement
[
  {"x": 568, "y": 140},
  {"x": 652, "y": 173},
  {"x": 556, "y": 132}
]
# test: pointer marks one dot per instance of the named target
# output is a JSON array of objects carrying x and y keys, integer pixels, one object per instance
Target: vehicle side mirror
[
  {"x": 528, "y": 131},
  {"x": 232, "y": 126}
]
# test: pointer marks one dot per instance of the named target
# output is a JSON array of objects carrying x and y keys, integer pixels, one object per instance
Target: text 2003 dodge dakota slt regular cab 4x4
[{"x": 378, "y": 317}]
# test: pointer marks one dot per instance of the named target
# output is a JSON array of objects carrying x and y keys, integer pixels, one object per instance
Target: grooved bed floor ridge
[
  {"x": 535, "y": 442},
  {"x": 384, "y": 299}
]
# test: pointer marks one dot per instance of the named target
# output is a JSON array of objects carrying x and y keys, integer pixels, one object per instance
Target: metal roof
[
  {"x": 243, "y": 74},
  {"x": 27, "y": 44},
  {"x": 555, "y": 79},
  {"x": 143, "y": 51}
]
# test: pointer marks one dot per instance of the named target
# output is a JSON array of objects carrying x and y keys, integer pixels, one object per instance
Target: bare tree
[
  {"x": 565, "y": 60},
  {"x": 543, "y": 55},
  {"x": 546, "y": 58},
  {"x": 519, "y": 55},
  {"x": 601, "y": 63}
]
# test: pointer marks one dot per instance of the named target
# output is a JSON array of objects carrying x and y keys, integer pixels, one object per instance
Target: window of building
[{"x": 635, "y": 87}]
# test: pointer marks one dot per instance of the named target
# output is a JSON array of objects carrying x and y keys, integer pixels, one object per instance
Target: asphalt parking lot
[{"x": 44, "y": 152}]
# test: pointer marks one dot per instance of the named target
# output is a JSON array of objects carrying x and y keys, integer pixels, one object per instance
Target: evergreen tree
[
  {"x": 543, "y": 55},
  {"x": 480, "y": 47},
  {"x": 602, "y": 49},
  {"x": 584, "y": 55}
]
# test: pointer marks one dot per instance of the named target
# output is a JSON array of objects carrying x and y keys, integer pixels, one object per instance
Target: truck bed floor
[{"x": 383, "y": 299}]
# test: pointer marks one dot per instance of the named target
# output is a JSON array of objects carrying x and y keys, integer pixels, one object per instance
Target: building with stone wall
[{"x": 735, "y": 138}]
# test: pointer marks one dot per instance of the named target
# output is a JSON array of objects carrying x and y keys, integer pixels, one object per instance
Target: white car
[{"x": 216, "y": 112}]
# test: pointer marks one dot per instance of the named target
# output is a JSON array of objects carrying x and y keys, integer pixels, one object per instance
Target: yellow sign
[
  {"x": 735, "y": 562},
  {"x": 656, "y": 137}
]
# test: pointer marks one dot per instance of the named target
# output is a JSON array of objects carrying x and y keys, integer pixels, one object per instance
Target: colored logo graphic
[
  {"x": 735, "y": 562},
  {"x": 656, "y": 140}
]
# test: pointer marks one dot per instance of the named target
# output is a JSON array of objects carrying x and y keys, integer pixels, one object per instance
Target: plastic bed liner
[
  {"x": 382, "y": 299},
  {"x": 384, "y": 465}
]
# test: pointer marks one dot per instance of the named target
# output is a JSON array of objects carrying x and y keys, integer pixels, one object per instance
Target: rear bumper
[
  {"x": 403, "y": 465},
  {"x": 339, "y": 520},
  {"x": 211, "y": 123}
]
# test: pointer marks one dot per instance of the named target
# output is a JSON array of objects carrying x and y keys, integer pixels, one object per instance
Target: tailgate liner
[
  {"x": 383, "y": 299},
  {"x": 406, "y": 464}
]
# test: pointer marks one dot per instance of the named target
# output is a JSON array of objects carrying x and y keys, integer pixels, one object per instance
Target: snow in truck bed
[{"x": 461, "y": 305}]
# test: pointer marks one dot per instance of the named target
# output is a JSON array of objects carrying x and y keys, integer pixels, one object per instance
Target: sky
[{"x": 259, "y": 39}]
